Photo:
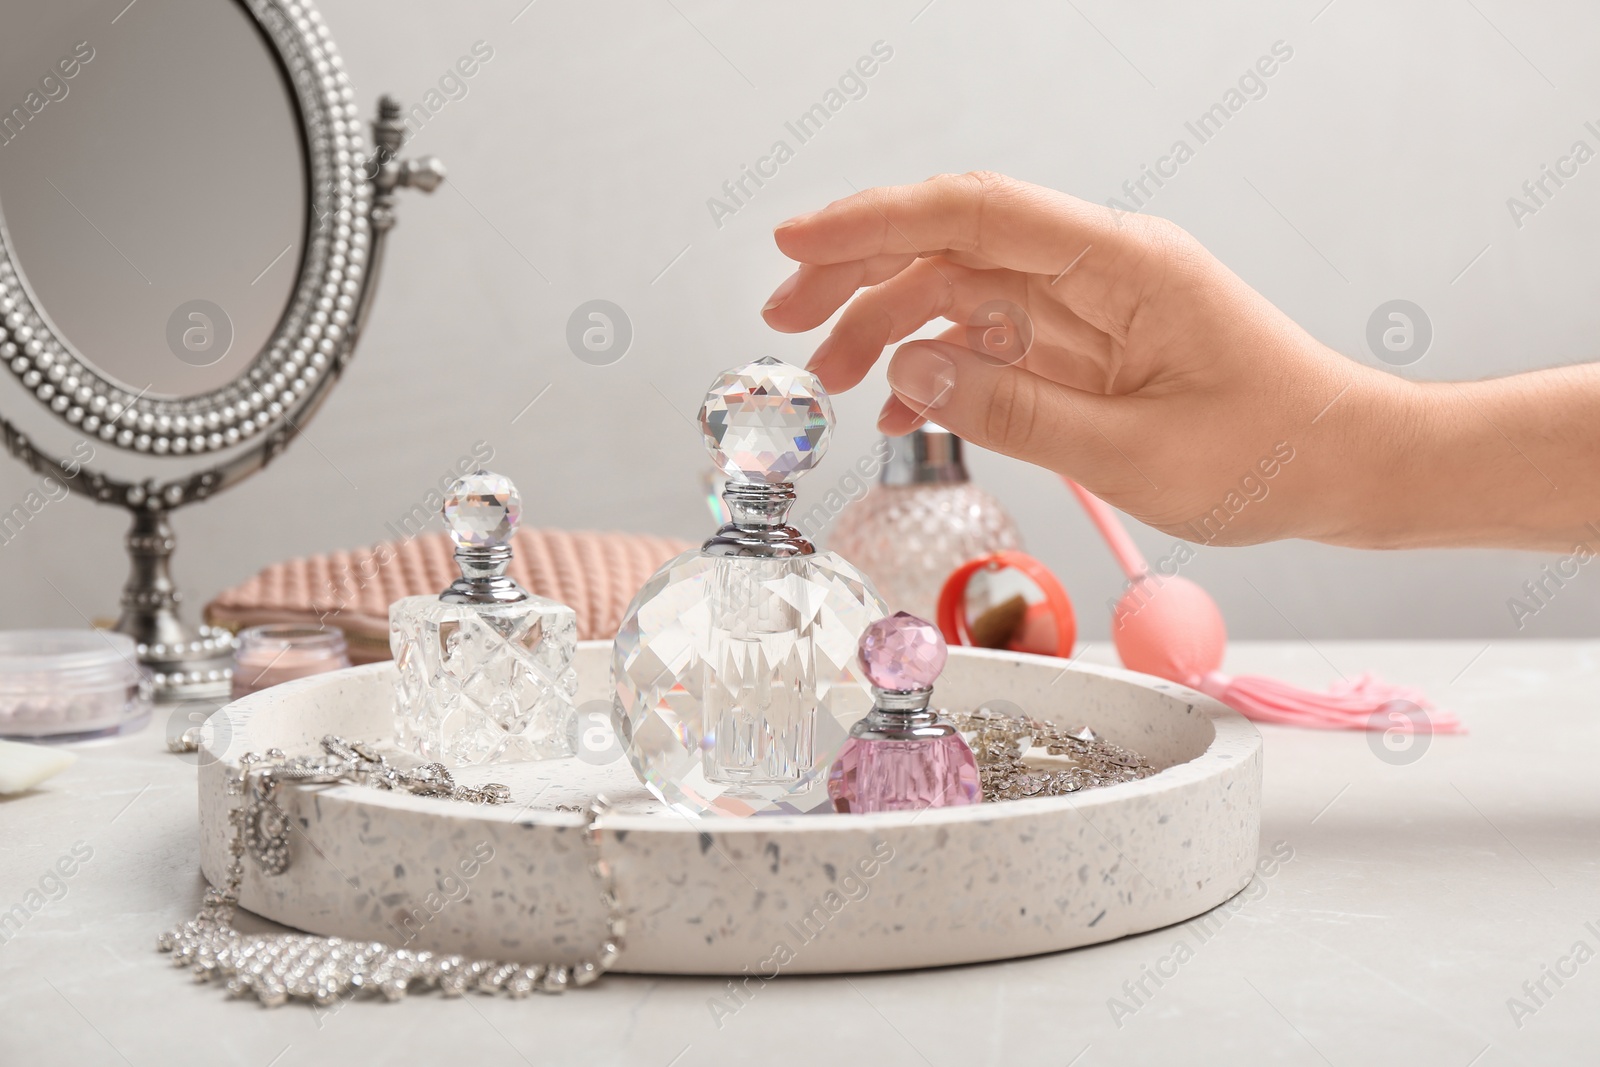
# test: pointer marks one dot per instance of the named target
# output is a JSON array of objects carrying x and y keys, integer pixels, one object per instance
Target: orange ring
[{"x": 952, "y": 598}]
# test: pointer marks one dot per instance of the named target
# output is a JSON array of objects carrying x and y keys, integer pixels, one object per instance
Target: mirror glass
[
  {"x": 1006, "y": 609},
  {"x": 153, "y": 184}
]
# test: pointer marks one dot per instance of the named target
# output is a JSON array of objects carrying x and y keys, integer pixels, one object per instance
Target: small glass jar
[
  {"x": 281, "y": 652},
  {"x": 69, "y": 684}
]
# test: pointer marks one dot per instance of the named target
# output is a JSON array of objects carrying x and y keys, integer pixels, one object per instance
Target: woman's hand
[{"x": 1154, "y": 376}]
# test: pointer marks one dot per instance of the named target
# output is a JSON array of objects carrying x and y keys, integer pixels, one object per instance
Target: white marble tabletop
[{"x": 1437, "y": 906}]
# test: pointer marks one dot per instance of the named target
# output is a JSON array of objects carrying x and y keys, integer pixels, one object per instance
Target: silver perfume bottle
[
  {"x": 735, "y": 671},
  {"x": 487, "y": 669},
  {"x": 922, "y": 521}
]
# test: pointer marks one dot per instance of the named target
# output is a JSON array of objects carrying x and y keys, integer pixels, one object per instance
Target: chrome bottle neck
[
  {"x": 757, "y": 524},
  {"x": 928, "y": 455},
  {"x": 483, "y": 577}
]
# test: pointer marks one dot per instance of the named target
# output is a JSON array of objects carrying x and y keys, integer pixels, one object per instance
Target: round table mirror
[
  {"x": 166, "y": 280},
  {"x": 191, "y": 221}
]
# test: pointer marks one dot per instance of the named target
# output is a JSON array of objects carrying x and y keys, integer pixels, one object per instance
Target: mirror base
[{"x": 185, "y": 662}]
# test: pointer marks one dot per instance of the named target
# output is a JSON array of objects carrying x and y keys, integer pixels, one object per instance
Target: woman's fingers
[
  {"x": 1006, "y": 409},
  {"x": 811, "y": 294},
  {"x": 896, "y": 419},
  {"x": 928, "y": 289},
  {"x": 997, "y": 312},
  {"x": 988, "y": 220}
]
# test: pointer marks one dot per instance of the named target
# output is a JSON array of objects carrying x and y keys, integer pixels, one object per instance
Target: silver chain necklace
[
  {"x": 1000, "y": 742},
  {"x": 278, "y": 967}
]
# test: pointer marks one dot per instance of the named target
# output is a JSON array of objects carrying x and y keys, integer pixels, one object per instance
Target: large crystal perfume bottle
[
  {"x": 734, "y": 667},
  {"x": 487, "y": 669},
  {"x": 903, "y": 756},
  {"x": 922, "y": 521}
]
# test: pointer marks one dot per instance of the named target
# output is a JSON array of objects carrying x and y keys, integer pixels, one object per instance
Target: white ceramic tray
[{"x": 796, "y": 894}]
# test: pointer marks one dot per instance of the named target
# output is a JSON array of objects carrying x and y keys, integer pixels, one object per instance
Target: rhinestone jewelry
[
  {"x": 266, "y": 825},
  {"x": 1000, "y": 741},
  {"x": 276, "y": 968}
]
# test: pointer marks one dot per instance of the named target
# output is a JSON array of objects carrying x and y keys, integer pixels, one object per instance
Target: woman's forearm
[{"x": 1510, "y": 462}]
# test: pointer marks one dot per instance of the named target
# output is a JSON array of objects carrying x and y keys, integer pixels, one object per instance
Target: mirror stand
[
  {"x": 184, "y": 662},
  {"x": 189, "y": 662}
]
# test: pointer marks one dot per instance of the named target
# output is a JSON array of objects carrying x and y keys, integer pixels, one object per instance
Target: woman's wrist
[
  {"x": 1506, "y": 462},
  {"x": 1368, "y": 441}
]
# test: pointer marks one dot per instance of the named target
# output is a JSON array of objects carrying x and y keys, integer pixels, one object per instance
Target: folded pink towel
[{"x": 595, "y": 573}]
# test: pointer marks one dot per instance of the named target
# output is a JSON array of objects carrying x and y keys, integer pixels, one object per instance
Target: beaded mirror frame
[
  {"x": 309, "y": 334},
  {"x": 254, "y": 417}
]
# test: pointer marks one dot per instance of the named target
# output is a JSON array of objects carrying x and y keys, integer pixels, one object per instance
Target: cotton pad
[{"x": 24, "y": 766}]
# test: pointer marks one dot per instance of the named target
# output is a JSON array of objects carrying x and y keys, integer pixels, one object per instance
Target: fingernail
[
  {"x": 921, "y": 376},
  {"x": 883, "y": 413},
  {"x": 797, "y": 220},
  {"x": 781, "y": 293},
  {"x": 821, "y": 354}
]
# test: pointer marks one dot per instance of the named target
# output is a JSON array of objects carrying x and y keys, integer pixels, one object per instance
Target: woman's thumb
[{"x": 1001, "y": 407}]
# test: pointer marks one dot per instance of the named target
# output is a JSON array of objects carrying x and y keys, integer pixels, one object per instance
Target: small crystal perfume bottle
[
  {"x": 734, "y": 667},
  {"x": 487, "y": 669},
  {"x": 922, "y": 521},
  {"x": 903, "y": 756}
]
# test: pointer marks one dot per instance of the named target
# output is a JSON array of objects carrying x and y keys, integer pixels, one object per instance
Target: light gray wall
[{"x": 1377, "y": 165}]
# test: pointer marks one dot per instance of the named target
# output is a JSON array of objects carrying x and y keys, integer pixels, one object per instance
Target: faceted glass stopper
[
  {"x": 481, "y": 510},
  {"x": 766, "y": 422},
  {"x": 902, "y": 653}
]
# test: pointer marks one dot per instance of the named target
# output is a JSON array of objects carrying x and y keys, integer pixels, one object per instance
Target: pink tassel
[
  {"x": 1366, "y": 703},
  {"x": 1171, "y": 628}
]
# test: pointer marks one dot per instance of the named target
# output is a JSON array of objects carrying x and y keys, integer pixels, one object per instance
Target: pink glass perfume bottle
[
  {"x": 923, "y": 520},
  {"x": 903, "y": 756}
]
